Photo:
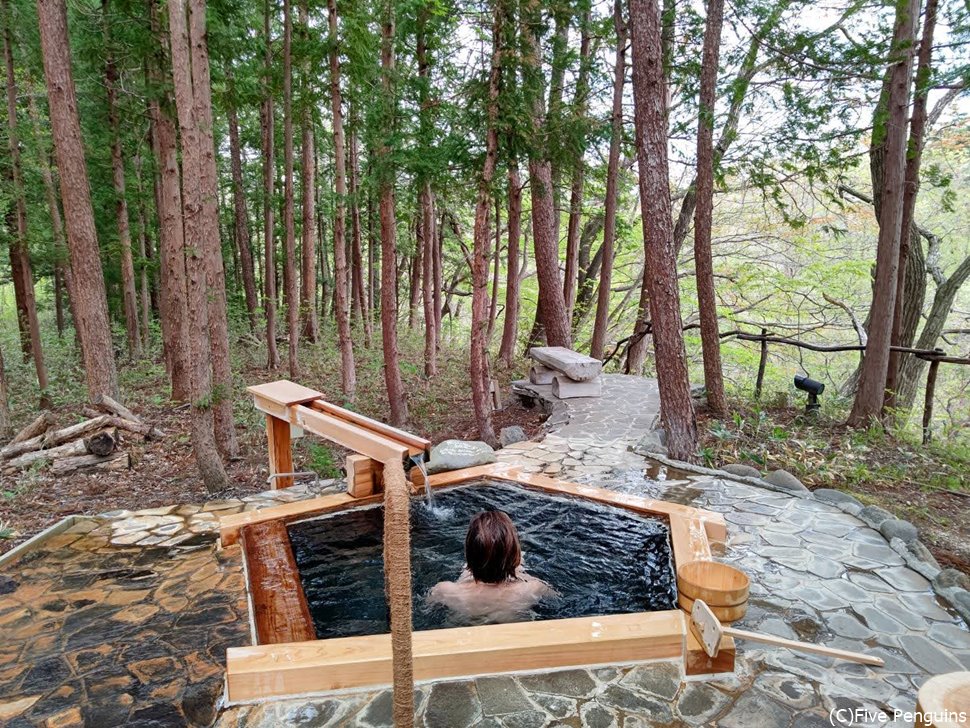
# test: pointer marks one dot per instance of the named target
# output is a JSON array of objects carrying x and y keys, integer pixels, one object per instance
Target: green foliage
[{"x": 321, "y": 461}]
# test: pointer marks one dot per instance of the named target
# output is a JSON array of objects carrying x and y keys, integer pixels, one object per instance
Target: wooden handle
[{"x": 803, "y": 646}]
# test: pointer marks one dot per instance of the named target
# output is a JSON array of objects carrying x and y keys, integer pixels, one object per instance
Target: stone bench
[{"x": 570, "y": 373}]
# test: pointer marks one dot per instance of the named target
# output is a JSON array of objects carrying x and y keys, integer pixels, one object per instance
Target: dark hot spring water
[{"x": 601, "y": 560}]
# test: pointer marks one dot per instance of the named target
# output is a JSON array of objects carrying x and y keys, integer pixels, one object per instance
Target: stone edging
[
  {"x": 902, "y": 536},
  {"x": 38, "y": 539}
]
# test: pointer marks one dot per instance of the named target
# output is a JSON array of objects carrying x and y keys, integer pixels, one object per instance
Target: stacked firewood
[{"x": 93, "y": 444}]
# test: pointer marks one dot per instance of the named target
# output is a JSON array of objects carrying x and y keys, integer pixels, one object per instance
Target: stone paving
[{"x": 112, "y": 623}]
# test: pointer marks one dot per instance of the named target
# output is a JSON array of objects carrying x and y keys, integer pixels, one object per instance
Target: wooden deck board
[{"x": 280, "y": 611}]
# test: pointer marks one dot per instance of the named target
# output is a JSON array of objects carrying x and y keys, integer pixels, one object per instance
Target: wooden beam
[
  {"x": 414, "y": 443},
  {"x": 364, "y": 476},
  {"x": 689, "y": 540},
  {"x": 351, "y": 436},
  {"x": 698, "y": 662},
  {"x": 353, "y": 662},
  {"x": 280, "y": 611},
  {"x": 280, "y": 451},
  {"x": 288, "y": 512},
  {"x": 284, "y": 392}
]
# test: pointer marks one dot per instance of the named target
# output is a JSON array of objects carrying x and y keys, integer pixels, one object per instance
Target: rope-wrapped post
[{"x": 397, "y": 584}]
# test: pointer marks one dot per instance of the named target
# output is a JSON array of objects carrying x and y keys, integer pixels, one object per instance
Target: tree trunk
[
  {"x": 552, "y": 307},
  {"x": 289, "y": 232},
  {"x": 392, "y": 371},
  {"x": 481, "y": 399},
  {"x": 269, "y": 190},
  {"x": 917, "y": 128},
  {"x": 20, "y": 268},
  {"x": 427, "y": 282},
  {"x": 211, "y": 240},
  {"x": 704, "y": 264},
  {"x": 612, "y": 176},
  {"x": 417, "y": 267},
  {"x": 580, "y": 104},
  {"x": 6, "y": 426},
  {"x": 199, "y": 332},
  {"x": 650, "y": 115},
  {"x": 240, "y": 213},
  {"x": 129, "y": 295},
  {"x": 348, "y": 371},
  {"x": 510, "y": 325},
  {"x": 90, "y": 303},
  {"x": 890, "y": 125},
  {"x": 308, "y": 248},
  {"x": 496, "y": 265},
  {"x": 171, "y": 235},
  {"x": 144, "y": 256}
]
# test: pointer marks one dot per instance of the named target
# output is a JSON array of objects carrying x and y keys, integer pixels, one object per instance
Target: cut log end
[{"x": 102, "y": 443}]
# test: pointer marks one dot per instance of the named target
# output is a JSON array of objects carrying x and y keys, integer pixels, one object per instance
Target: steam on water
[{"x": 601, "y": 560}]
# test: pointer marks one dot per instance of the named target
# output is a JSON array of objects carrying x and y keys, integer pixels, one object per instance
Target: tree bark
[
  {"x": 308, "y": 247},
  {"x": 358, "y": 297},
  {"x": 212, "y": 245},
  {"x": 20, "y": 268},
  {"x": 342, "y": 304},
  {"x": 552, "y": 307},
  {"x": 914, "y": 153},
  {"x": 6, "y": 426},
  {"x": 392, "y": 372},
  {"x": 144, "y": 256},
  {"x": 269, "y": 190},
  {"x": 289, "y": 232},
  {"x": 890, "y": 124},
  {"x": 417, "y": 267},
  {"x": 703, "y": 262},
  {"x": 90, "y": 303},
  {"x": 510, "y": 324},
  {"x": 612, "y": 178},
  {"x": 129, "y": 296},
  {"x": 650, "y": 116},
  {"x": 481, "y": 399},
  {"x": 199, "y": 331},
  {"x": 240, "y": 213}
]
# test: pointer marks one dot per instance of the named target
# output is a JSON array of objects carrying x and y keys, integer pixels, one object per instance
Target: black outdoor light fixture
[{"x": 813, "y": 388}]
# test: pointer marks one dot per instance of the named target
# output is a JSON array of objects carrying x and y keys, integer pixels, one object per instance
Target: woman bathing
[{"x": 494, "y": 586}]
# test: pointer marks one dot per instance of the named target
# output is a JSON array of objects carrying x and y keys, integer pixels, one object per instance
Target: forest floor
[
  {"x": 927, "y": 485},
  {"x": 164, "y": 473}
]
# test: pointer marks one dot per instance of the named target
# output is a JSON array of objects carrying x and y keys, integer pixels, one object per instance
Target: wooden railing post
[
  {"x": 762, "y": 363},
  {"x": 928, "y": 401},
  {"x": 280, "y": 451}
]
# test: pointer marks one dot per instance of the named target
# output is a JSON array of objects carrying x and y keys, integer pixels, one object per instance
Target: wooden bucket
[
  {"x": 944, "y": 701},
  {"x": 723, "y": 614},
  {"x": 720, "y": 585}
]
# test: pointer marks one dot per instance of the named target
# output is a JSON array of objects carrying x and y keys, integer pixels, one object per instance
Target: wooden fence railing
[{"x": 935, "y": 357}]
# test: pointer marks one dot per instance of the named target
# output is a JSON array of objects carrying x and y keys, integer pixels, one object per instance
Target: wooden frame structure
[{"x": 280, "y": 666}]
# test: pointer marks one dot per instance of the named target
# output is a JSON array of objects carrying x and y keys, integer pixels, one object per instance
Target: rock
[
  {"x": 539, "y": 374},
  {"x": 784, "y": 480},
  {"x": 452, "y": 704},
  {"x": 698, "y": 391},
  {"x": 567, "y": 388},
  {"x": 651, "y": 444},
  {"x": 840, "y": 500},
  {"x": 574, "y": 365},
  {"x": 874, "y": 516},
  {"x": 458, "y": 454},
  {"x": 917, "y": 557},
  {"x": 960, "y": 600},
  {"x": 510, "y": 435},
  {"x": 740, "y": 469},
  {"x": 949, "y": 579},
  {"x": 898, "y": 528}
]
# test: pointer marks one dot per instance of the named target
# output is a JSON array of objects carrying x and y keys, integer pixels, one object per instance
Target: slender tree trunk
[
  {"x": 439, "y": 262},
  {"x": 552, "y": 308},
  {"x": 144, "y": 256},
  {"x": 193, "y": 203},
  {"x": 289, "y": 246},
  {"x": 891, "y": 121},
  {"x": 344, "y": 339},
  {"x": 704, "y": 265},
  {"x": 6, "y": 426},
  {"x": 914, "y": 153},
  {"x": 90, "y": 304},
  {"x": 612, "y": 177},
  {"x": 496, "y": 265},
  {"x": 650, "y": 115},
  {"x": 510, "y": 325},
  {"x": 20, "y": 267},
  {"x": 308, "y": 273},
  {"x": 357, "y": 295},
  {"x": 269, "y": 190},
  {"x": 129, "y": 295},
  {"x": 427, "y": 281},
  {"x": 579, "y": 169},
  {"x": 240, "y": 213},
  {"x": 417, "y": 266},
  {"x": 396, "y": 396},
  {"x": 225, "y": 430}
]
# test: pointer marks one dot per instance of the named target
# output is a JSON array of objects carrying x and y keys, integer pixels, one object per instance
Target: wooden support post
[
  {"x": 928, "y": 402},
  {"x": 496, "y": 391},
  {"x": 365, "y": 476},
  {"x": 280, "y": 452},
  {"x": 762, "y": 363}
]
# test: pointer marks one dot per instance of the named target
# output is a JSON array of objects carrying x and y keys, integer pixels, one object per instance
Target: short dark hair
[{"x": 492, "y": 549}]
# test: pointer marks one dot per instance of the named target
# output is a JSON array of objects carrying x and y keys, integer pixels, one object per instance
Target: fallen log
[
  {"x": 39, "y": 426},
  {"x": 139, "y": 428},
  {"x": 81, "y": 429},
  {"x": 115, "y": 461},
  {"x": 107, "y": 404},
  {"x": 102, "y": 443},
  {"x": 15, "y": 449},
  {"x": 76, "y": 447}
]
